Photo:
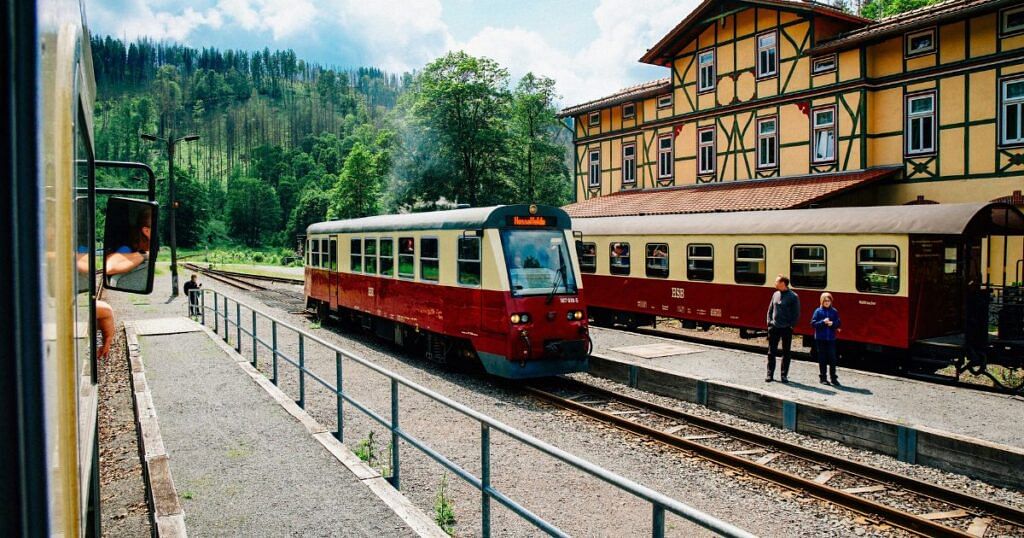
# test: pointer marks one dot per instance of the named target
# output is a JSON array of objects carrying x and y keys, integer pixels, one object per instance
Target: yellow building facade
[{"x": 760, "y": 90}]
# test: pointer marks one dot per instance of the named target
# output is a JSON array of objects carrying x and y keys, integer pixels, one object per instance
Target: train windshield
[{"x": 538, "y": 262}]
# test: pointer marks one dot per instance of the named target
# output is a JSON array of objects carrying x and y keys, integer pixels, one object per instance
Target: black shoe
[
  {"x": 823, "y": 381},
  {"x": 768, "y": 379},
  {"x": 785, "y": 379},
  {"x": 835, "y": 382}
]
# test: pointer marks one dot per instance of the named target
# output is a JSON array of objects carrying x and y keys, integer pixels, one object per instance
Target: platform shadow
[
  {"x": 854, "y": 390},
  {"x": 809, "y": 388}
]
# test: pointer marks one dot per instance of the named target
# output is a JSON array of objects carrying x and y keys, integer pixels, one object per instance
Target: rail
[{"x": 222, "y": 311}]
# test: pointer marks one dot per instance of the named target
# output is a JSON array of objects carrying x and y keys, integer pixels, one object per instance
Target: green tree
[
  {"x": 537, "y": 157},
  {"x": 192, "y": 214},
  {"x": 311, "y": 207},
  {"x": 357, "y": 191},
  {"x": 254, "y": 210},
  {"x": 879, "y": 9}
]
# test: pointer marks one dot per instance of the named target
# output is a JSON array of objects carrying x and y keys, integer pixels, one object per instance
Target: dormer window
[
  {"x": 665, "y": 101},
  {"x": 594, "y": 119},
  {"x": 1011, "y": 21},
  {"x": 825, "y": 64},
  {"x": 628, "y": 111},
  {"x": 922, "y": 42}
]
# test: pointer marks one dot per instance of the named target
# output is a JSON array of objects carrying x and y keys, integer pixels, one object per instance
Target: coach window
[
  {"x": 428, "y": 259},
  {"x": 878, "y": 269},
  {"x": 332, "y": 254},
  {"x": 314, "y": 253},
  {"x": 700, "y": 262},
  {"x": 750, "y": 266},
  {"x": 619, "y": 257},
  {"x": 309, "y": 252},
  {"x": 356, "y": 261},
  {"x": 657, "y": 260},
  {"x": 406, "y": 257},
  {"x": 387, "y": 256},
  {"x": 807, "y": 268},
  {"x": 469, "y": 261},
  {"x": 588, "y": 257},
  {"x": 370, "y": 255}
]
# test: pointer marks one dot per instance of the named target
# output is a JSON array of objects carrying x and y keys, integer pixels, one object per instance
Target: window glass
[
  {"x": 387, "y": 256},
  {"x": 356, "y": 256},
  {"x": 428, "y": 259},
  {"x": 1012, "y": 113},
  {"x": 750, "y": 264},
  {"x": 309, "y": 252},
  {"x": 665, "y": 101},
  {"x": 406, "y": 257},
  {"x": 665, "y": 160},
  {"x": 370, "y": 255},
  {"x": 595, "y": 169},
  {"x": 920, "y": 129},
  {"x": 706, "y": 151},
  {"x": 878, "y": 270},
  {"x": 657, "y": 260},
  {"x": 469, "y": 261},
  {"x": 700, "y": 262},
  {"x": 1013, "y": 20},
  {"x": 921, "y": 42},
  {"x": 332, "y": 254},
  {"x": 315, "y": 256},
  {"x": 766, "y": 143},
  {"x": 538, "y": 262},
  {"x": 595, "y": 119},
  {"x": 618, "y": 255},
  {"x": 807, "y": 266},
  {"x": 766, "y": 55},
  {"x": 824, "y": 65},
  {"x": 628, "y": 163},
  {"x": 628, "y": 110},
  {"x": 588, "y": 257},
  {"x": 824, "y": 149},
  {"x": 706, "y": 71},
  {"x": 949, "y": 260}
]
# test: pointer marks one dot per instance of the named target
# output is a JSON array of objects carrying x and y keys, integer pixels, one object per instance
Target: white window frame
[
  {"x": 1004, "y": 105},
  {"x": 459, "y": 260},
  {"x": 423, "y": 258},
  {"x": 706, "y": 165},
  {"x": 771, "y": 52},
  {"x": 909, "y": 38},
  {"x": 708, "y": 84},
  {"x": 631, "y": 107},
  {"x": 772, "y": 139},
  {"x": 666, "y": 152},
  {"x": 594, "y": 168},
  {"x": 376, "y": 254},
  {"x": 665, "y": 101},
  {"x": 915, "y": 122},
  {"x": 591, "y": 121},
  {"x": 1005, "y": 30},
  {"x": 833, "y": 61},
  {"x": 816, "y": 128},
  {"x": 629, "y": 164}
]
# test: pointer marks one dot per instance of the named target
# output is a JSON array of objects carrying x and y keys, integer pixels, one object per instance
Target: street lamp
[{"x": 171, "y": 195}]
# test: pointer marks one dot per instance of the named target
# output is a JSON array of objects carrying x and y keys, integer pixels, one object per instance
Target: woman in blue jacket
[{"x": 826, "y": 325}]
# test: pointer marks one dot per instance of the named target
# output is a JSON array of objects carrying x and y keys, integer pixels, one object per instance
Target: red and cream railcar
[
  {"x": 498, "y": 283},
  {"x": 899, "y": 275}
]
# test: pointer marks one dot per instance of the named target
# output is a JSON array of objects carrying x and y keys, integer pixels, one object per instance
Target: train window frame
[
  {"x": 768, "y": 143},
  {"x": 629, "y": 164},
  {"x": 308, "y": 254},
  {"x": 737, "y": 260},
  {"x": 826, "y": 127},
  {"x": 859, "y": 264},
  {"x": 1005, "y": 105},
  {"x": 768, "y": 54},
  {"x": 411, "y": 255},
  {"x": 656, "y": 272},
  {"x": 355, "y": 252},
  {"x": 367, "y": 255},
  {"x": 691, "y": 272},
  {"x": 314, "y": 253},
  {"x": 434, "y": 261},
  {"x": 793, "y": 261},
  {"x": 922, "y": 122},
  {"x": 622, "y": 269},
  {"x": 463, "y": 262},
  {"x": 332, "y": 254},
  {"x": 390, "y": 257},
  {"x": 585, "y": 267}
]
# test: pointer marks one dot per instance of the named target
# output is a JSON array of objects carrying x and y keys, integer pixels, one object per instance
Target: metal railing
[{"x": 222, "y": 312}]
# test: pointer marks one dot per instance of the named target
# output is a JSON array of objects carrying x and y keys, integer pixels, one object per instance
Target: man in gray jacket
[{"x": 783, "y": 314}]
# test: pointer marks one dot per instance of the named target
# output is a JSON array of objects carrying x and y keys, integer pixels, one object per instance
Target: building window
[
  {"x": 594, "y": 119},
  {"x": 469, "y": 261},
  {"x": 665, "y": 101},
  {"x": 387, "y": 257},
  {"x": 588, "y": 257},
  {"x": 700, "y": 262},
  {"x": 1012, "y": 112},
  {"x": 628, "y": 111},
  {"x": 406, "y": 257},
  {"x": 878, "y": 270},
  {"x": 618, "y": 255},
  {"x": 767, "y": 143},
  {"x": 807, "y": 267},
  {"x": 356, "y": 258},
  {"x": 657, "y": 260},
  {"x": 767, "y": 55},
  {"x": 428, "y": 259},
  {"x": 922, "y": 42},
  {"x": 1011, "y": 21},
  {"x": 628, "y": 164},
  {"x": 595, "y": 168},
  {"x": 823, "y": 122},
  {"x": 750, "y": 264},
  {"x": 824, "y": 64},
  {"x": 665, "y": 158},
  {"x": 706, "y": 150},
  {"x": 920, "y": 129},
  {"x": 370, "y": 256},
  {"x": 706, "y": 70}
]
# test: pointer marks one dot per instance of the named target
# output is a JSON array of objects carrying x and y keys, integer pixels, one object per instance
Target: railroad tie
[
  {"x": 979, "y": 526},
  {"x": 951, "y": 514},
  {"x": 674, "y": 429},
  {"x": 749, "y": 452},
  {"x": 825, "y": 477},
  {"x": 864, "y": 489},
  {"x": 699, "y": 437},
  {"x": 764, "y": 460},
  {"x": 621, "y": 413}
]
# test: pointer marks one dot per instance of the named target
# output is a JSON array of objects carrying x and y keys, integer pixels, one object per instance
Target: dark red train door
[
  {"x": 936, "y": 286},
  {"x": 333, "y": 280}
]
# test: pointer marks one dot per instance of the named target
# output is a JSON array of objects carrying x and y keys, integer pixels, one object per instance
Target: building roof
[
  {"x": 897, "y": 24},
  {"x": 752, "y": 195},
  {"x": 632, "y": 93},
  {"x": 473, "y": 218},
  {"x": 942, "y": 219}
]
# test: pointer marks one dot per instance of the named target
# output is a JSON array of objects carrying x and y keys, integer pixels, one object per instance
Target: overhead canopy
[
  {"x": 473, "y": 218},
  {"x": 939, "y": 219}
]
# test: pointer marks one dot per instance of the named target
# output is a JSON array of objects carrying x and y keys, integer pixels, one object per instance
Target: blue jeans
[{"x": 826, "y": 351}]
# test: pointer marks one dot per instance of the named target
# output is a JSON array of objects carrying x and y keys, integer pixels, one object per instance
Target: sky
[{"x": 590, "y": 47}]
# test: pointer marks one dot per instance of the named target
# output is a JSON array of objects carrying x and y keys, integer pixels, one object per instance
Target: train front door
[
  {"x": 333, "y": 278},
  {"x": 939, "y": 308}
]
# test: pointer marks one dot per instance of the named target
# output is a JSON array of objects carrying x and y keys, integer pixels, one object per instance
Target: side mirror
[{"x": 130, "y": 245}]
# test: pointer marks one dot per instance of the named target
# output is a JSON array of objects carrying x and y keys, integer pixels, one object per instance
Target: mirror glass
[{"x": 130, "y": 245}]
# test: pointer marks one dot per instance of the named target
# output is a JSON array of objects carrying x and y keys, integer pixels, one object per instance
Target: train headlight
[
  {"x": 519, "y": 318},
  {"x": 574, "y": 315}
]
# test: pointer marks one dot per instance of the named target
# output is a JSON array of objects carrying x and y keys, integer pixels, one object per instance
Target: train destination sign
[{"x": 534, "y": 221}]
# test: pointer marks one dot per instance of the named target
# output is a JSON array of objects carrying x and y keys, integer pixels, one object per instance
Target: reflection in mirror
[{"x": 129, "y": 245}]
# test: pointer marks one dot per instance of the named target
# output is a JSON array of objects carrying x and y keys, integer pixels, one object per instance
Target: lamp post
[{"x": 171, "y": 195}]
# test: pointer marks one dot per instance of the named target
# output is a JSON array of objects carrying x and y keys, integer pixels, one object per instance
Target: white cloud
[
  {"x": 397, "y": 36},
  {"x": 283, "y": 18},
  {"x": 136, "y": 18}
]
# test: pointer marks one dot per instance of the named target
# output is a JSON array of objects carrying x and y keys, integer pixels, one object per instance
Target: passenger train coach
[
  {"x": 498, "y": 283},
  {"x": 900, "y": 276}
]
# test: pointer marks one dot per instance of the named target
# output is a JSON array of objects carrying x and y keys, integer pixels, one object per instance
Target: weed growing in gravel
[
  {"x": 367, "y": 451},
  {"x": 314, "y": 324},
  {"x": 444, "y": 511},
  {"x": 188, "y": 495}
]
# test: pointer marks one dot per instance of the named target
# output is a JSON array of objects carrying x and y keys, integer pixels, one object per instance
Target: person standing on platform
[
  {"x": 783, "y": 314},
  {"x": 192, "y": 290},
  {"x": 826, "y": 326}
]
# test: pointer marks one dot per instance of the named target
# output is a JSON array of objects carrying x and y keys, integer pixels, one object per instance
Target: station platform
[{"x": 969, "y": 432}]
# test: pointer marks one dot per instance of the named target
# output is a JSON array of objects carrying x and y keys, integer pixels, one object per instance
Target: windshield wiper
[{"x": 559, "y": 277}]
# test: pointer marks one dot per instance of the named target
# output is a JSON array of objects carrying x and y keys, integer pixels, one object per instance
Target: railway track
[
  {"x": 880, "y": 496},
  {"x": 235, "y": 280}
]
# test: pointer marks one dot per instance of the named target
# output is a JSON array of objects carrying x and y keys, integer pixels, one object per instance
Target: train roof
[
  {"x": 473, "y": 218},
  {"x": 940, "y": 219}
]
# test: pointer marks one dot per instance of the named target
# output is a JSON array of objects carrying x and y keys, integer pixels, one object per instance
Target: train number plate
[{"x": 678, "y": 293}]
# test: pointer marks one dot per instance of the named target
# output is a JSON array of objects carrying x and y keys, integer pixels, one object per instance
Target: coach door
[
  {"x": 333, "y": 275},
  {"x": 934, "y": 260}
]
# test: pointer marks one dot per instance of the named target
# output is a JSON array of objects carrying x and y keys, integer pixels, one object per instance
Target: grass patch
[
  {"x": 444, "y": 510},
  {"x": 188, "y": 495},
  {"x": 368, "y": 451}
]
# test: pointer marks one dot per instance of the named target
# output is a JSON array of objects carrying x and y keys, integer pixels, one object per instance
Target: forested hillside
[{"x": 284, "y": 142}]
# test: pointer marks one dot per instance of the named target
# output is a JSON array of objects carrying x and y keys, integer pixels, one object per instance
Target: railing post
[
  {"x": 273, "y": 339},
  {"x": 254, "y": 340},
  {"x": 658, "y": 522},
  {"x": 485, "y": 480},
  {"x": 340, "y": 434},
  {"x": 216, "y": 314},
  {"x": 202, "y": 307},
  {"x": 302, "y": 372},
  {"x": 395, "y": 462},
  {"x": 227, "y": 319},
  {"x": 238, "y": 326}
]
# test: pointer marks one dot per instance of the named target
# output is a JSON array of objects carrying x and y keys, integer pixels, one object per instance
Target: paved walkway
[{"x": 986, "y": 416}]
